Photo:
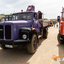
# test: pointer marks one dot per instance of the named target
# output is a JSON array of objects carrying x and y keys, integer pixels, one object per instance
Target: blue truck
[{"x": 25, "y": 28}]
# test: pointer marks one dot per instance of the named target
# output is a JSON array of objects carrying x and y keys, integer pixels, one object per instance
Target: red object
[
  {"x": 61, "y": 28},
  {"x": 61, "y": 22}
]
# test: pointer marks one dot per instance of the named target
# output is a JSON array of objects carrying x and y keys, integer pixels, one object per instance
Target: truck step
[{"x": 39, "y": 36}]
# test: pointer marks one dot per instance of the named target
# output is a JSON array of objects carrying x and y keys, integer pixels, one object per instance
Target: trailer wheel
[
  {"x": 33, "y": 45},
  {"x": 59, "y": 40},
  {"x": 2, "y": 46},
  {"x": 45, "y": 33}
]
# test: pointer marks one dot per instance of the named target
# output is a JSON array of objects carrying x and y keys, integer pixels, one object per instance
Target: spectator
[
  {"x": 57, "y": 25},
  {"x": 54, "y": 25}
]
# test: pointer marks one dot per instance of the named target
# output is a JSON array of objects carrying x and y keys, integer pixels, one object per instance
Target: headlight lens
[{"x": 24, "y": 36}]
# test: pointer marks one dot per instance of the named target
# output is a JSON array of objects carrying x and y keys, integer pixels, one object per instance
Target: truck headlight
[{"x": 24, "y": 36}]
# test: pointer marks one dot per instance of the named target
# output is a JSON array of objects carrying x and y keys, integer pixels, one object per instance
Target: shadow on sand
[
  {"x": 16, "y": 56},
  {"x": 61, "y": 50}
]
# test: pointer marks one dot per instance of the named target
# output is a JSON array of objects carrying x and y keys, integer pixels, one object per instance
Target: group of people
[{"x": 56, "y": 25}]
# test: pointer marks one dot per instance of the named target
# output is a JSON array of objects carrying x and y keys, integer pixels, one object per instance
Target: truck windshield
[{"x": 22, "y": 16}]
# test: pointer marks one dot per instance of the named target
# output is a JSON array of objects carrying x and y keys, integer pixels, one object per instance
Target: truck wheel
[
  {"x": 2, "y": 46},
  {"x": 59, "y": 40},
  {"x": 45, "y": 33},
  {"x": 33, "y": 45}
]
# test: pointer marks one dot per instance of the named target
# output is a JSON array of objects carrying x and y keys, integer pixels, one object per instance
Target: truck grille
[
  {"x": 1, "y": 32},
  {"x": 7, "y": 31}
]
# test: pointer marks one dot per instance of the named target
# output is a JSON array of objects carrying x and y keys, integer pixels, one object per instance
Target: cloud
[
  {"x": 50, "y": 8},
  {"x": 9, "y": 1},
  {"x": 10, "y": 6}
]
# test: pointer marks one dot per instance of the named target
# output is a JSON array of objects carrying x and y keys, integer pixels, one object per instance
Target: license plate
[{"x": 9, "y": 46}]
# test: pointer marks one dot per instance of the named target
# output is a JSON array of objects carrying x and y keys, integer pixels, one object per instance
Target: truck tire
[
  {"x": 33, "y": 45},
  {"x": 45, "y": 33},
  {"x": 59, "y": 40},
  {"x": 2, "y": 46}
]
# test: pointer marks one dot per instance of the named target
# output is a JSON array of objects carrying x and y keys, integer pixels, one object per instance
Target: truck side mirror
[
  {"x": 40, "y": 15},
  {"x": 58, "y": 18}
]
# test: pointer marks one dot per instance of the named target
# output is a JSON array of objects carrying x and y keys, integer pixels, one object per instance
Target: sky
[{"x": 50, "y": 8}]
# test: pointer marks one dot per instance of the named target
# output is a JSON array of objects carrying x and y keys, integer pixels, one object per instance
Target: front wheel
[
  {"x": 33, "y": 45},
  {"x": 59, "y": 40}
]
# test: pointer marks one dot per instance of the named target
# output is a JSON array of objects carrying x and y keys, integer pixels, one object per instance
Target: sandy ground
[{"x": 46, "y": 48}]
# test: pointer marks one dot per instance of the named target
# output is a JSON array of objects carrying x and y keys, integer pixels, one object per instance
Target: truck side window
[{"x": 35, "y": 16}]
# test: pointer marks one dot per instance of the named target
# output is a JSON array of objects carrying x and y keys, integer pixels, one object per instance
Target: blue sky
[{"x": 50, "y": 8}]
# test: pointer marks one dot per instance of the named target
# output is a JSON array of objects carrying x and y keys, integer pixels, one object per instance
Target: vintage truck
[
  {"x": 6, "y": 18},
  {"x": 24, "y": 29}
]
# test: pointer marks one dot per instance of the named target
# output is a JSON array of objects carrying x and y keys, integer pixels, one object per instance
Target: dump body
[{"x": 45, "y": 23}]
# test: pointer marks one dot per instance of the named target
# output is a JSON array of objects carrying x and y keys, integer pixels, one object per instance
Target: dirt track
[{"x": 46, "y": 48}]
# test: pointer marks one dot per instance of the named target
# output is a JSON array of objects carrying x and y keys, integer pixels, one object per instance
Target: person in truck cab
[
  {"x": 38, "y": 22},
  {"x": 28, "y": 16},
  {"x": 24, "y": 17},
  {"x": 35, "y": 17},
  {"x": 35, "y": 21}
]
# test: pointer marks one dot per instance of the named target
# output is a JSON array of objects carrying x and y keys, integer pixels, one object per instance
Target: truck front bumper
[{"x": 15, "y": 42}]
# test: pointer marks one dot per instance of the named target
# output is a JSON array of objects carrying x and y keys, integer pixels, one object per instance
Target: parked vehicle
[
  {"x": 24, "y": 29},
  {"x": 6, "y": 18},
  {"x": 61, "y": 26},
  {"x": 50, "y": 23}
]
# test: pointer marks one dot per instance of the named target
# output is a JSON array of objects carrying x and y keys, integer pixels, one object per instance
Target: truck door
[{"x": 36, "y": 25}]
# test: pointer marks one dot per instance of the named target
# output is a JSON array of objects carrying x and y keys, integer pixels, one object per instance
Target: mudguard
[{"x": 28, "y": 31}]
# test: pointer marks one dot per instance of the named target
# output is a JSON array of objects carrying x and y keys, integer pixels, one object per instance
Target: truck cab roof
[{"x": 25, "y": 12}]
